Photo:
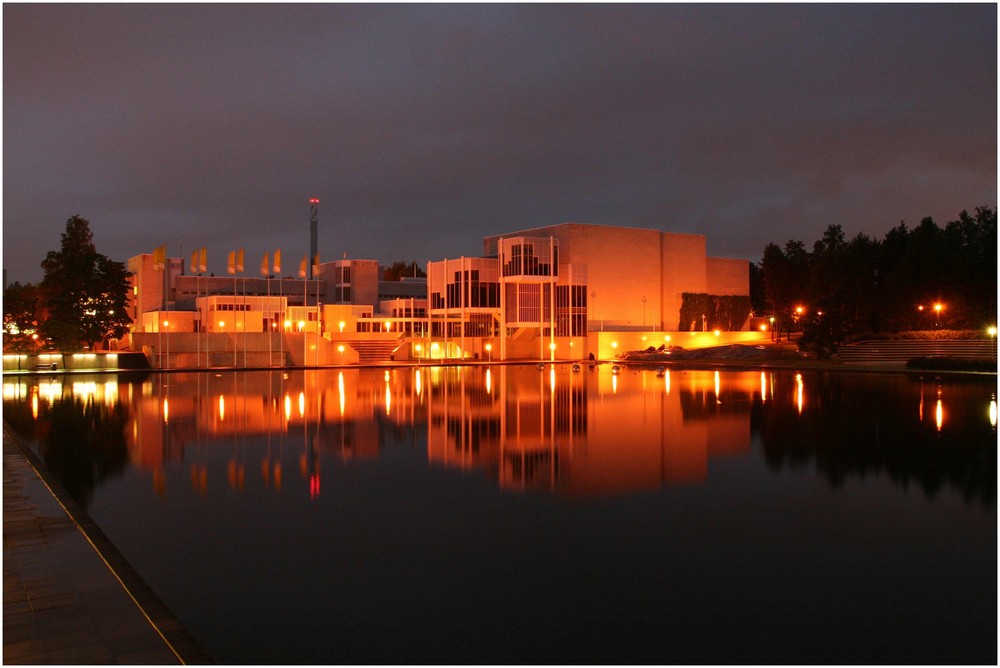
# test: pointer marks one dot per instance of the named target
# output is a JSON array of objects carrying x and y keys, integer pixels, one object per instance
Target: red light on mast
[{"x": 314, "y": 201}]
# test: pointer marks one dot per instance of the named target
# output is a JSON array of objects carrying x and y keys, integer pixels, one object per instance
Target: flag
[
  {"x": 159, "y": 258},
  {"x": 239, "y": 261},
  {"x": 316, "y": 266},
  {"x": 194, "y": 261},
  {"x": 277, "y": 261},
  {"x": 231, "y": 268},
  {"x": 264, "y": 264},
  {"x": 203, "y": 264},
  {"x": 302, "y": 266}
]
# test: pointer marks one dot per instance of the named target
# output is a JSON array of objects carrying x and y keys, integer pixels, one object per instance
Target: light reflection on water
[
  {"x": 576, "y": 432},
  {"x": 515, "y": 514}
]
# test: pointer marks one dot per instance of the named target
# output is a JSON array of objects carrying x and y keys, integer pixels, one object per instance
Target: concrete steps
[
  {"x": 374, "y": 351},
  {"x": 897, "y": 353}
]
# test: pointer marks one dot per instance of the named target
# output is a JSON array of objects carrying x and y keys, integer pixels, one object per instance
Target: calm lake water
[{"x": 517, "y": 515}]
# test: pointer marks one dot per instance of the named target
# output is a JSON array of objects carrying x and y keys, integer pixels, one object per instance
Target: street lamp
[
  {"x": 992, "y": 331},
  {"x": 937, "y": 314},
  {"x": 489, "y": 349}
]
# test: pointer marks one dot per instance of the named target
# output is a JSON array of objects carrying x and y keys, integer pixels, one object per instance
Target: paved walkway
[{"x": 69, "y": 597}]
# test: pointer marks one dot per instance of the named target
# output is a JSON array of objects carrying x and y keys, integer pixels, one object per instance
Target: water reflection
[
  {"x": 867, "y": 428},
  {"x": 595, "y": 431}
]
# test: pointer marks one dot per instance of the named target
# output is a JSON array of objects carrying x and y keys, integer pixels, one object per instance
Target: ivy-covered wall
[{"x": 700, "y": 311}]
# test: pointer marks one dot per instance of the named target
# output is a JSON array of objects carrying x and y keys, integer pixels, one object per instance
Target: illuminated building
[{"x": 550, "y": 293}]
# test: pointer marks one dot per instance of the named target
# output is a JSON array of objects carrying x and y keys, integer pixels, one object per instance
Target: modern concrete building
[
  {"x": 564, "y": 291},
  {"x": 635, "y": 278}
]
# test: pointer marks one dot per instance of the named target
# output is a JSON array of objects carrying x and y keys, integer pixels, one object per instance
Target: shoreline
[{"x": 762, "y": 362}]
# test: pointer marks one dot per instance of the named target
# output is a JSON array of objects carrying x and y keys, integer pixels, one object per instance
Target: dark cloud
[{"x": 423, "y": 128}]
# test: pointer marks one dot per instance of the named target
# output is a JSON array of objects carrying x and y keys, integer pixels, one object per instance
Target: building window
[{"x": 523, "y": 261}]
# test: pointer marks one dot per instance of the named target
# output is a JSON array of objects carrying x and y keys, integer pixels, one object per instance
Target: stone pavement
[{"x": 69, "y": 597}]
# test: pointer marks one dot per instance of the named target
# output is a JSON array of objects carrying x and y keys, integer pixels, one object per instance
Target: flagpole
[
  {"x": 305, "y": 286},
  {"x": 316, "y": 276},
  {"x": 232, "y": 270},
  {"x": 243, "y": 306},
  {"x": 202, "y": 268},
  {"x": 281, "y": 293},
  {"x": 197, "y": 338},
  {"x": 264, "y": 269}
]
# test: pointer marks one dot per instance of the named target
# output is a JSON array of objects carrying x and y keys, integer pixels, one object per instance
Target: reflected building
[
  {"x": 592, "y": 432},
  {"x": 547, "y": 427}
]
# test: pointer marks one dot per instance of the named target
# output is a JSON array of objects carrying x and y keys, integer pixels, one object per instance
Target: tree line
[{"x": 930, "y": 277}]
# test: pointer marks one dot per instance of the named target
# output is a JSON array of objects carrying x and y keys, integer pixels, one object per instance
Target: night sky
[{"x": 423, "y": 128}]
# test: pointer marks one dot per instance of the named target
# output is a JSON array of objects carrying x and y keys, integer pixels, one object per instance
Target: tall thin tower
[{"x": 313, "y": 225}]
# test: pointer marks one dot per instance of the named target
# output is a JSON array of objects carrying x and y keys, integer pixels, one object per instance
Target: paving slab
[{"x": 63, "y": 580}]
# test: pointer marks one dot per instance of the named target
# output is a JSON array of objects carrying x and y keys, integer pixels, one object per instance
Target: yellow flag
[
  {"x": 277, "y": 261},
  {"x": 159, "y": 258},
  {"x": 302, "y": 266},
  {"x": 239, "y": 261},
  {"x": 316, "y": 266},
  {"x": 203, "y": 264},
  {"x": 231, "y": 268},
  {"x": 264, "y": 264},
  {"x": 194, "y": 261}
]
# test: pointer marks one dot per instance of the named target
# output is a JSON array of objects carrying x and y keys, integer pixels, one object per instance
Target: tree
[
  {"x": 84, "y": 292},
  {"x": 399, "y": 270},
  {"x": 21, "y": 316}
]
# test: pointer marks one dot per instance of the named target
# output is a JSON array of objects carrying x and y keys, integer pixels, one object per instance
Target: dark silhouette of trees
[
  {"x": 847, "y": 288},
  {"x": 21, "y": 317},
  {"x": 84, "y": 293},
  {"x": 399, "y": 270}
]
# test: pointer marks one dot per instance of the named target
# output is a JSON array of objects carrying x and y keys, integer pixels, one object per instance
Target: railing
[{"x": 898, "y": 352}]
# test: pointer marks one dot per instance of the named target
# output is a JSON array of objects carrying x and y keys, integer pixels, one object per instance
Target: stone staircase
[
  {"x": 897, "y": 353},
  {"x": 373, "y": 351}
]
